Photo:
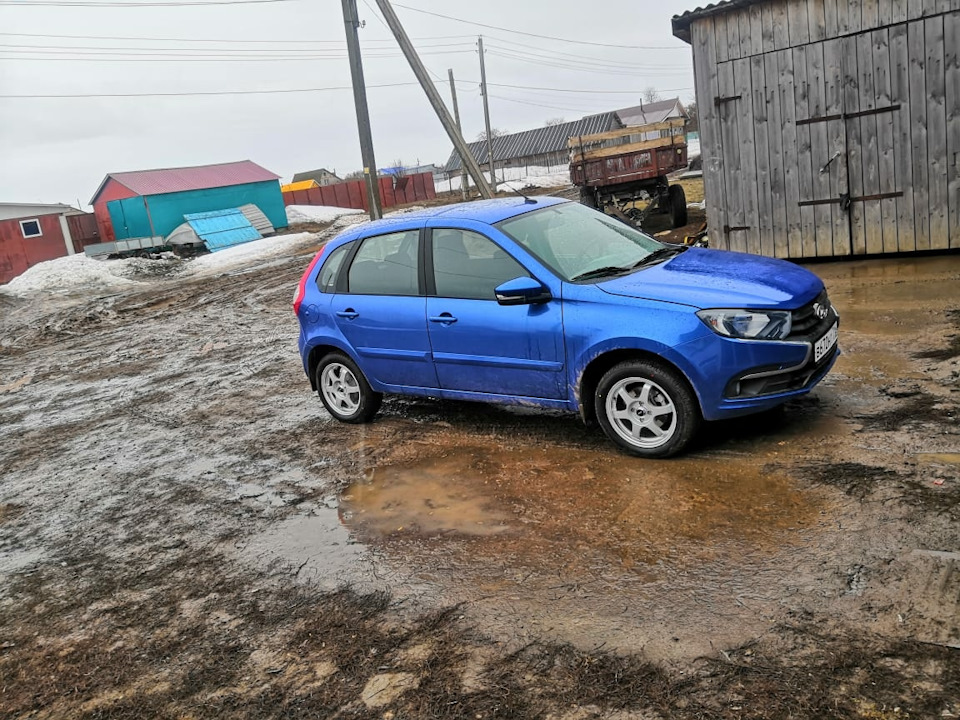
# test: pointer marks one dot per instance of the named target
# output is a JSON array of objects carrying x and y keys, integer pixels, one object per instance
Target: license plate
[{"x": 825, "y": 344}]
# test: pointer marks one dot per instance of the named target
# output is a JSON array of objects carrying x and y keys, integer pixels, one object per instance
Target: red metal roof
[{"x": 171, "y": 180}]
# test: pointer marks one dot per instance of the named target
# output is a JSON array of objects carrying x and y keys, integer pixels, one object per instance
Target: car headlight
[{"x": 749, "y": 324}]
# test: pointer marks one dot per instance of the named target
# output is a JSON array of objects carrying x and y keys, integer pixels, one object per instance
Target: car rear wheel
[
  {"x": 647, "y": 409},
  {"x": 344, "y": 390}
]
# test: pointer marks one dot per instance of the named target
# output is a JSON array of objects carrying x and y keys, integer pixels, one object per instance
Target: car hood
[{"x": 707, "y": 278}]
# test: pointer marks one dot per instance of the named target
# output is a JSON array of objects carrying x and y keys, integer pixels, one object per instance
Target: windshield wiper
[
  {"x": 661, "y": 254},
  {"x": 600, "y": 272}
]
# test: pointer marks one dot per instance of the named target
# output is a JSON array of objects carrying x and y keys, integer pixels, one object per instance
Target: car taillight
[{"x": 302, "y": 286}]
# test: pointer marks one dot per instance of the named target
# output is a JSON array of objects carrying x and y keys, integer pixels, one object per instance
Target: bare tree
[
  {"x": 554, "y": 121},
  {"x": 694, "y": 123},
  {"x": 494, "y": 133},
  {"x": 651, "y": 95}
]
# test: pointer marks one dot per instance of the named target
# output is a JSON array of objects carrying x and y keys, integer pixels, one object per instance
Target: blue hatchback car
[{"x": 549, "y": 303}]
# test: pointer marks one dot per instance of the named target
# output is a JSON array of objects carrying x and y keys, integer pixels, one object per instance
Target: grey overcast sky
[{"x": 59, "y": 149}]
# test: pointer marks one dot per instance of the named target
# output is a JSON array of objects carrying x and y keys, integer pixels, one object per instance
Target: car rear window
[{"x": 327, "y": 279}]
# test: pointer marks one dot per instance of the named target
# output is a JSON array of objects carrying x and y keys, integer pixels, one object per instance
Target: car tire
[
  {"x": 678, "y": 206},
  {"x": 647, "y": 409},
  {"x": 344, "y": 390}
]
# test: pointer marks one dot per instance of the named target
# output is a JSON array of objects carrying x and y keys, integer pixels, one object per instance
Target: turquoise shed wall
[{"x": 161, "y": 214}]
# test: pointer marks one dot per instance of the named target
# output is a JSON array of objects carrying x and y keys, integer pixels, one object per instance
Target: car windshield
[{"x": 580, "y": 244}]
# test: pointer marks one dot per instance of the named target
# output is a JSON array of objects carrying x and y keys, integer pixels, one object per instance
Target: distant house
[
  {"x": 149, "y": 203},
  {"x": 301, "y": 185},
  {"x": 322, "y": 177},
  {"x": 655, "y": 112},
  {"x": 542, "y": 147},
  {"x": 31, "y": 233}
]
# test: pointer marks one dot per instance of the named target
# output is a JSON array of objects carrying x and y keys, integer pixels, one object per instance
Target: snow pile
[
  {"x": 271, "y": 247},
  {"x": 297, "y": 214},
  {"x": 530, "y": 175},
  {"x": 68, "y": 273},
  {"x": 247, "y": 252},
  {"x": 553, "y": 180}
]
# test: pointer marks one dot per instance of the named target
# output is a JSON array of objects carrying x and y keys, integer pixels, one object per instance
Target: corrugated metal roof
[
  {"x": 222, "y": 228},
  {"x": 257, "y": 218},
  {"x": 201, "y": 177},
  {"x": 302, "y": 185},
  {"x": 536, "y": 142},
  {"x": 681, "y": 23},
  {"x": 651, "y": 112}
]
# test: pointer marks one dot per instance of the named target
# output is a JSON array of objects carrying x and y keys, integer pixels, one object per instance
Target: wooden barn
[{"x": 829, "y": 127}]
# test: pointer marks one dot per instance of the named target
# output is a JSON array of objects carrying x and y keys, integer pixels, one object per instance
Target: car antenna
[{"x": 527, "y": 200}]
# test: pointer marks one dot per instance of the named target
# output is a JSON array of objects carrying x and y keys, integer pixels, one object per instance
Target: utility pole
[
  {"x": 430, "y": 89},
  {"x": 351, "y": 22},
  {"x": 456, "y": 116},
  {"x": 486, "y": 110}
]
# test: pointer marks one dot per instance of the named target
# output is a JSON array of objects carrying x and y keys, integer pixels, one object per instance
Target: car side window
[
  {"x": 470, "y": 266},
  {"x": 327, "y": 279},
  {"x": 386, "y": 265}
]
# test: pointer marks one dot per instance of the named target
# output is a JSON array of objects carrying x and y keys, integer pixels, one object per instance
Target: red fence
[{"x": 394, "y": 190}]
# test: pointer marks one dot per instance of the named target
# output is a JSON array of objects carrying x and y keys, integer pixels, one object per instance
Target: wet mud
[{"x": 183, "y": 530}]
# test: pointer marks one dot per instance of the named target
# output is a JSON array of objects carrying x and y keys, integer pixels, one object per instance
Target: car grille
[{"x": 806, "y": 324}]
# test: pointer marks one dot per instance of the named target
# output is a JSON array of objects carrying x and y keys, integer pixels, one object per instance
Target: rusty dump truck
[{"x": 618, "y": 169}]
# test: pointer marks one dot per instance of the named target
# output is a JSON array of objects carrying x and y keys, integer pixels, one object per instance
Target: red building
[{"x": 31, "y": 233}]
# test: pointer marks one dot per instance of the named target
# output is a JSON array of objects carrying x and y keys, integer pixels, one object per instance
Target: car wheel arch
[
  {"x": 317, "y": 353},
  {"x": 594, "y": 370}
]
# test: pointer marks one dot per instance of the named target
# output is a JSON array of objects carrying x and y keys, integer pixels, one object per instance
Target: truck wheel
[
  {"x": 678, "y": 206},
  {"x": 588, "y": 198}
]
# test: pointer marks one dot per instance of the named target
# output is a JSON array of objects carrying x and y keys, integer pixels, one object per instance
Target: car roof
[{"x": 484, "y": 211}]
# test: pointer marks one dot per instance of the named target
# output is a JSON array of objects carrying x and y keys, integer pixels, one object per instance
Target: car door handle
[
  {"x": 349, "y": 314},
  {"x": 444, "y": 318}
]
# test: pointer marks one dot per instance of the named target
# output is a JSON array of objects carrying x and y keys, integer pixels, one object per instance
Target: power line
[
  {"x": 549, "y": 107},
  {"x": 107, "y": 4},
  {"x": 556, "y": 56},
  {"x": 283, "y": 41},
  {"x": 387, "y": 27},
  {"x": 577, "y": 67},
  {"x": 542, "y": 37},
  {"x": 201, "y": 93},
  {"x": 598, "y": 92},
  {"x": 129, "y": 57}
]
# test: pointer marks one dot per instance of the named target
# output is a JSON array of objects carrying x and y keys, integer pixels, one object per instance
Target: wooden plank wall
[{"x": 790, "y": 61}]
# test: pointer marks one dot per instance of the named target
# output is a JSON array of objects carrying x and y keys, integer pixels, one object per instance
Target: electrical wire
[
  {"x": 202, "y": 93},
  {"x": 598, "y": 92},
  {"x": 107, "y": 4},
  {"x": 283, "y": 41},
  {"x": 579, "y": 68},
  {"x": 543, "y": 37},
  {"x": 126, "y": 57},
  {"x": 549, "y": 107}
]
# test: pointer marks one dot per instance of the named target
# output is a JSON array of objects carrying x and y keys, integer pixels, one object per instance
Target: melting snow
[{"x": 297, "y": 214}]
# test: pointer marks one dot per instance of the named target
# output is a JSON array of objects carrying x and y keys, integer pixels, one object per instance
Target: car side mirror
[{"x": 522, "y": 291}]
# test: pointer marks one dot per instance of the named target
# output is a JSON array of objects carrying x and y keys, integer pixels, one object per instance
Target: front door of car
[
  {"x": 381, "y": 311},
  {"x": 478, "y": 344}
]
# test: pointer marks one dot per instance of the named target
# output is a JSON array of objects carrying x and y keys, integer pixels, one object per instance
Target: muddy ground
[{"x": 184, "y": 532}]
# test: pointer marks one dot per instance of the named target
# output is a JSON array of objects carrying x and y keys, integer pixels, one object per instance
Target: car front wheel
[
  {"x": 647, "y": 409},
  {"x": 344, "y": 390}
]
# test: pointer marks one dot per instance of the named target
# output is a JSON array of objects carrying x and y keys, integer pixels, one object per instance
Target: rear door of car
[
  {"x": 479, "y": 345},
  {"x": 380, "y": 308}
]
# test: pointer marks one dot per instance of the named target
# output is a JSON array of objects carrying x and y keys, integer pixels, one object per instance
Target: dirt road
[{"x": 184, "y": 532}]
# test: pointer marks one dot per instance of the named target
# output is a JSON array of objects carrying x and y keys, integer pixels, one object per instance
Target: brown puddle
[{"x": 543, "y": 506}]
